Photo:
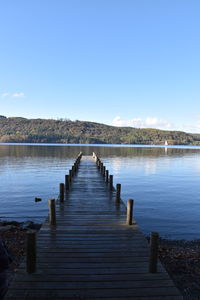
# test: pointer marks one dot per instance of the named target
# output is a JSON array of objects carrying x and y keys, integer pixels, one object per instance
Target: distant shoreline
[{"x": 103, "y": 145}]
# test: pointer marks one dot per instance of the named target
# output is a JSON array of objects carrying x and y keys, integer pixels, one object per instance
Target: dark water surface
[{"x": 164, "y": 182}]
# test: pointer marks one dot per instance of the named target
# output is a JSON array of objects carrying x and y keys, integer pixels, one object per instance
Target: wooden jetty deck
[{"x": 91, "y": 253}]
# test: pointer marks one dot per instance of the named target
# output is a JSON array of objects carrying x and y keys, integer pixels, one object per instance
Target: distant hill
[{"x": 21, "y": 130}]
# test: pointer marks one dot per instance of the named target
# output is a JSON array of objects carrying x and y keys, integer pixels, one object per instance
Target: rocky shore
[
  {"x": 13, "y": 239},
  {"x": 181, "y": 258}
]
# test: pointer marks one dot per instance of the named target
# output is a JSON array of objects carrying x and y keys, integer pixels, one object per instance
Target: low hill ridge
[{"x": 18, "y": 129}]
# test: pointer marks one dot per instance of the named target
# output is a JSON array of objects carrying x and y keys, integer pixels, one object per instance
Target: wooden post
[
  {"x": 77, "y": 164},
  {"x": 111, "y": 182},
  {"x": 107, "y": 176},
  {"x": 52, "y": 212},
  {"x": 31, "y": 252},
  {"x": 99, "y": 164},
  {"x": 129, "y": 218},
  {"x": 66, "y": 183},
  {"x": 101, "y": 169},
  {"x": 118, "y": 192},
  {"x": 104, "y": 171},
  {"x": 153, "y": 258},
  {"x": 70, "y": 176},
  {"x": 80, "y": 155},
  {"x": 62, "y": 189},
  {"x": 73, "y": 171}
]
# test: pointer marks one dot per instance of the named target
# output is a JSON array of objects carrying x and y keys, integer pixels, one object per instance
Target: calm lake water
[{"x": 165, "y": 182}]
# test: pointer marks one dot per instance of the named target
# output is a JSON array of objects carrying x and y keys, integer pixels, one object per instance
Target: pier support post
[
  {"x": 66, "y": 183},
  {"x": 70, "y": 176},
  {"x": 62, "y": 189},
  {"x": 101, "y": 168},
  {"x": 104, "y": 171},
  {"x": 118, "y": 192},
  {"x": 99, "y": 164},
  {"x": 107, "y": 176},
  {"x": 31, "y": 252},
  {"x": 52, "y": 211},
  {"x": 111, "y": 182},
  {"x": 153, "y": 258},
  {"x": 73, "y": 170},
  {"x": 129, "y": 217}
]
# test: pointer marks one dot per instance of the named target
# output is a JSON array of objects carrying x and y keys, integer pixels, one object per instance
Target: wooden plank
[
  {"x": 56, "y": 285},
  {"x": 101, "y": 293},
  {"x": 93, "y": 277}
]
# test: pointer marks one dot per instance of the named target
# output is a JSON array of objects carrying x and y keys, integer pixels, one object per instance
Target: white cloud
[
  {"x": 13, "y": 95},
  {"x": 149, "y": 122},
  {"x": 192, "y": 128},
  {"x": 18, "y": 95}
]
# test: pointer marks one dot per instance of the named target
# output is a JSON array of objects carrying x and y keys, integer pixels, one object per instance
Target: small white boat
[{"x": 166, "y": 143}]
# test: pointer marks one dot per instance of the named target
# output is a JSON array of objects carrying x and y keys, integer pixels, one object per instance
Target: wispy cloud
[
  {"x": 13, "y": 95},
  {"x": 5, "y": 95},
  {"x": 18, "y": 95},
  {"x": 149, "y": 122}
]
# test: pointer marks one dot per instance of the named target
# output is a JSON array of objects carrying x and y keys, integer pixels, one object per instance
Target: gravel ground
[
  {"x": 13, "y": 234},
  {"x": 181, "y": 258}
]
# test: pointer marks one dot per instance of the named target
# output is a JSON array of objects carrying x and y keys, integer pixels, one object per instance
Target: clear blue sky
[{"x": 122, "y": 62}]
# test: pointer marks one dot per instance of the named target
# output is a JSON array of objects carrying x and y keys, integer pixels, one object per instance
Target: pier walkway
[{"x": 91, "y": 254}]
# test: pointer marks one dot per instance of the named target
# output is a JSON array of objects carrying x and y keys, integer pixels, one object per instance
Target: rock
[
  {"x": 38, "y": 199},
  {"x": 26, "y": 225},
  {"x": 7, "y": 227},
  {"x": 30, "y": 225}
]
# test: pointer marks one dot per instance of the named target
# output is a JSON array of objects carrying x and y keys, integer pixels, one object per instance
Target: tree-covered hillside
[{"x": 65, "y": 131}]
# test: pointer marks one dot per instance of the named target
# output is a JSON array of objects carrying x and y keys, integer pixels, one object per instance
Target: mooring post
[
  {"x": 104, "y": 171},
  {"x": 77, "y": 164},
  {"x": 62, "y": 192},
  {"x": 99, "y": 164},
  {"x": 73, "y": 171},
  {"x": 118, "y": 192},
  {"x": 129, "y": 217},
  {"x": 153, "y": 257},
  {"x": 80, "y": 155},
  {"x": 52, "y": 211},
  {"x": 101, "y": 169},
  {"x": 107, "y": 176},
  {"x": 31, "y": 252},
  {"x": 70, "y": 176},
  {"x": 66, "y": 183},
  {"x": 111, "y": 182}
]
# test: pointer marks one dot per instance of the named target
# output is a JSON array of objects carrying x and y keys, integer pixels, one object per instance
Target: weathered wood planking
[{"x": 91, "y": 253}]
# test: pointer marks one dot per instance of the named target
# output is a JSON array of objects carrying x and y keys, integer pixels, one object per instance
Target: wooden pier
[{"x": 91, "y": 252}]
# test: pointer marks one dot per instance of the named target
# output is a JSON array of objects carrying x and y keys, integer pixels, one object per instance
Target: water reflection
[{"x": 62, "y": 151}]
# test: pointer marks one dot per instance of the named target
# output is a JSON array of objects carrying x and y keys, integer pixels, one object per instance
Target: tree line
[{"x": 24, "y": 130}]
